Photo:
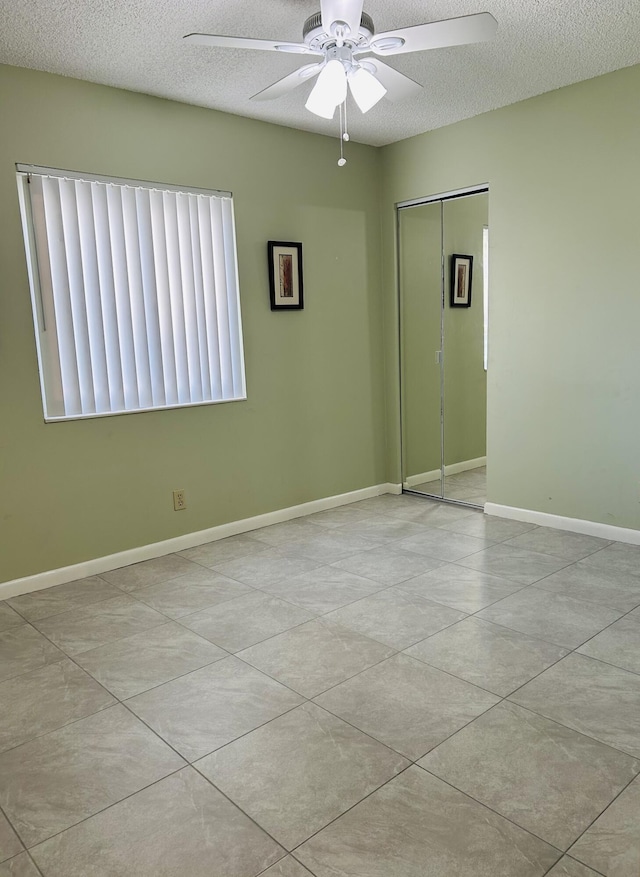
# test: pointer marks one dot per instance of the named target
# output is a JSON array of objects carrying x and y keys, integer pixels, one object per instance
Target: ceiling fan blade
[
  {"x": 349, "y": 11},
  {"x": 397, "y": 84},
  {"x": 208, "y": 39},
  {"x": 436, "y": 35},
  {"x": 288, "y": 83}
]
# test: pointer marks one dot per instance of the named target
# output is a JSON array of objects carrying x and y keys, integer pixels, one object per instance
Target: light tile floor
[{"x": 396, "y": 688}]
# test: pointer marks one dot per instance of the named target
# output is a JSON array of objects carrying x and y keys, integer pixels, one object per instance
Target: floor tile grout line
[
  {"x": 41, "y": 736},
  {"x": 585, "y": 600},
  {"x": 515, "y": 630},
  {"x": 260, "y": 591},
  {"x": 500, "y": 576},
  {"x": 507, "y": 697},
  {"x": 136, "y": 589},
  {"x": 154, "y": 626},
  {"x": 146, "y": 630},
  {"x": 602, "y": 661},
  {"x": 572, "y": 651},
  {"x": 305, "y": 868},
  {"x": 419, "y": 767},
  {"x": 64, "y": 611},
  {"x": 611, "y": 624},
  {"x": 66, "y": 654},
  {"x": 89, "y": 609},
  {"x": 69, "y": 658},
  {"x": 593, "y": 821},
  {"x": 617, "y": 749},
  {"x": 117, "y": 700},
  {"x": 244, "y": 812},
  {"x": 257, "y": 728},
  {"x": 596, "y": 660},
  {"x": 292, "y": 852},
  {"x": 124, "y": 703},
  {"x": 15, "y": 831},
  {"x": 31, "y": 859},
  {"x": 475, "y": 611},
  {"x": 389, "y": 746},
  {"x": 566, "y": 855},
  {"x": 23, "y": 852},
  {"x": 108, "y": 807},
  {"x": 270, "y": 637},
  {"x": 449, "y": 529},
  {"x": 68, "y": 724},
  {"x": 574, "y": 563},
  {"x": 394, "y": 652},
  {"x": 189, "y": 762},
  {"x": 560, "y": 851},
  {"x": 509, "y": 542},
  {"x": 546, "y": 718},
  {"x": 475, "y": 684}
]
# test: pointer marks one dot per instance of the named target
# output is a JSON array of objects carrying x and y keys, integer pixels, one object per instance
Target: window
[
  {"x": 485, "y": 295},
  {"x": 135, "y": 294}
]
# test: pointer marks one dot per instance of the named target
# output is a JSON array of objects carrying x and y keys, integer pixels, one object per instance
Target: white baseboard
[
  {"x": 558, "y": 522},
  {"x": 421, "y": 477},
  {"x": 179, "y": 543},
  {"x": 465, "y": 465},
  {"x": 451, "y": 469}
]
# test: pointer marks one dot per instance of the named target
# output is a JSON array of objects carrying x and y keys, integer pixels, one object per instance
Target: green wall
[
  {"x": 564, "y": 368},
  {"x": 322, "y": 415},
  {"x": 313, "y": 424}
]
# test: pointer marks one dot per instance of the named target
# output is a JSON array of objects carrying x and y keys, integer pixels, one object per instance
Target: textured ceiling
[{"x": 136, "y": 44}]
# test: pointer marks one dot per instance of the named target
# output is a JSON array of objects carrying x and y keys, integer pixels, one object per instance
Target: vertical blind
[{"x": 135, "y": 293}]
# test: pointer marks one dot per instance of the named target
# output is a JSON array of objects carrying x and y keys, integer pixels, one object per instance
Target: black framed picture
[
  {"x": 285, "y": 275},
  {"x": 461, "y": 270}
]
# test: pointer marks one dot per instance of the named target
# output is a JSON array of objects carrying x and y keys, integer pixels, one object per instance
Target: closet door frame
[{"x": 403, "y": 205}]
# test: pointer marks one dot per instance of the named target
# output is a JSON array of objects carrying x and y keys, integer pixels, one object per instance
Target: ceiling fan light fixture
[
  {"x": 365, "y": 88},
  {"x": 329, "y": 91}
]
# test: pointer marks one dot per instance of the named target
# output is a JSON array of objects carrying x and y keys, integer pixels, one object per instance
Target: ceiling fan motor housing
[{"x": 314, "y": 35}]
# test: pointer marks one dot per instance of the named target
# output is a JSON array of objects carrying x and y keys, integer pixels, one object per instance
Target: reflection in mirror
[
  {"x": 420, "y": 277},
  {"x": 465, "y": 247}
]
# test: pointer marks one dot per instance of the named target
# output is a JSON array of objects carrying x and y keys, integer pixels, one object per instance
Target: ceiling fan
[
  {"x": 340, "y": 34},
  {"x": 344, "y": 40}
]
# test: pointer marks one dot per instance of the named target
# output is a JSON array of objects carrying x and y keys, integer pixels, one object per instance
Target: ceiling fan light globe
[
  {"x": 365, "y": 88},
  {"x": 329, "y": 91},
  {"x": 318, "y": 108}
]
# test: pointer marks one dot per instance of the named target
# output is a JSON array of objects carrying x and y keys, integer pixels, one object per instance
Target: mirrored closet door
[{"x": 443, "y": 283}]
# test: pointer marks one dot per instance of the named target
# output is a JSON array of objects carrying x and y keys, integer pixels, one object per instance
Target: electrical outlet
[{"x": 179, "y": 500}]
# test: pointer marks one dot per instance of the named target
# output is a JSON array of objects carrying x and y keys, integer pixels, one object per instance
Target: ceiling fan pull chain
[{"x": 343, "y": 132}]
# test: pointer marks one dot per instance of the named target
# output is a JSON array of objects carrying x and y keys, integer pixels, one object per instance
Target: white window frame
[{"x": 189, "y": 295}]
